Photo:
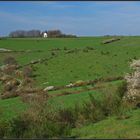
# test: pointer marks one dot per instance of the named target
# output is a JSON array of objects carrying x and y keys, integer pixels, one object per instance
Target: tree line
[{"x": 38, "y": 33}]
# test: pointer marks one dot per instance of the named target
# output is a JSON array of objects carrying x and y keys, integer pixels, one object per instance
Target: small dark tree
[
  {"x": 22, "y": 33},
  {"x": 54, "y": 33}
]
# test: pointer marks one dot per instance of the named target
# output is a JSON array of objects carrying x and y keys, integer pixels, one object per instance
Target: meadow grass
[
  {"x": 75, "y": 66},
  {"x": 66, "y": 68},
  {"x": 112, "y": 128},
  {"x": 70, "y": 67},
  {"x": 10, "y": 108}
]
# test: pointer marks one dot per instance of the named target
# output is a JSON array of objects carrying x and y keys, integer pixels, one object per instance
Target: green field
[
  {"x": 74, "y": 66},
  {"x": 112, "y": 128},
  {"x": 105, "y": 60}
]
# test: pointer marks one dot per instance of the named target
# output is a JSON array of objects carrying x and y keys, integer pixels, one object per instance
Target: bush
[
  {"x": 53, "y": 53},
  {"x": 95, "y": 109},
  {"x": 28, "y": 72},
  {"x": 112, "y": 99},
  {"x": 66, "y": 93},
  {"x": 67, "y": 116},
  {"x": 19, "y": 126},
  {"x": 92, "y": 111},
  {"x": 9, "y": 69},
  {"x": 27, "y": 81},
  {"x": 38, "y": 127},
  {"x": 111, "y": 104},
  {"x": 121, "y": 90},
  {"x": 85, "y": 50},
  {"x": 10, "y": 60},
  {"x": 39, "y": 121},
  {"x": 4, "y": 128}
]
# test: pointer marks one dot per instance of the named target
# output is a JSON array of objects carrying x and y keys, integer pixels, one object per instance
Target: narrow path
[
  {"x": 64, "y": 93},
  {"x": 90, "y": 82}
]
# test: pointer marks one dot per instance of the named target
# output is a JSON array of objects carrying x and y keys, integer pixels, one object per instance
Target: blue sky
[{"x": 80, "y": 18}]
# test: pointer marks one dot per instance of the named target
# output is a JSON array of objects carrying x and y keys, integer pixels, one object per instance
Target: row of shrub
[{"x": 41, "y": 121}]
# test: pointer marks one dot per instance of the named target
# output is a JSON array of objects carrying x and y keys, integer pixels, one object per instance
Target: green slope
[
  {"x": 75, "y": 66},
  {"x": 112, "y": 128}
]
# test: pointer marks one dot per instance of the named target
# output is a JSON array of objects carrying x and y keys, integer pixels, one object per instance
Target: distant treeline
[{"x": 38, "y": 33}]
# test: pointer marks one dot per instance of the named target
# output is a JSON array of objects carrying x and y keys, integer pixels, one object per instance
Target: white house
[{"x": 45, "y": 34}]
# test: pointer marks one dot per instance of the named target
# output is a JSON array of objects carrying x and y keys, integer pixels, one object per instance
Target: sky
[{"x": 80, "y": 18}]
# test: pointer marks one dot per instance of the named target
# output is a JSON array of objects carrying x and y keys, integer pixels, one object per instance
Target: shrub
[
  {"x": 31, "y": 125},
  {"x": 124, "y": 110},
  {"x": 85, "y": 50},
  {"x": 28, "y": 72},
  {"x": 90, "y": 48},
  {"x": 112, "y": 99},
  {"x": 38, "y": 122},
  {"x": 41, "y": 121},
  {"x": 111, "y": 104},
  {"x": 65, "y": 48},
  {"x": 67, "y": 116},
  {"x": 4, "y": 129},
  {"x": 10, "y": 60},
  {"x": 53, "y": 53},
  {"x": 27, "y": 81},
  {"x": 19, "y": 126},
  {"x": 9, "y": 69},
  {"x": 122, "y": 88},
  {"x": 66, "y": 93},
  {"x": 92, "y": 110}
]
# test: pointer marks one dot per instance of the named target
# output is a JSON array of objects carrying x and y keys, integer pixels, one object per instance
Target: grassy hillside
[
  {"x": 74, "y": 66},
  {"x": 67, "y": 67},
  {"x": 112, "y": 128},
  {"x": 103, "y": 60},
  {"x": 9, "y": 108}
]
